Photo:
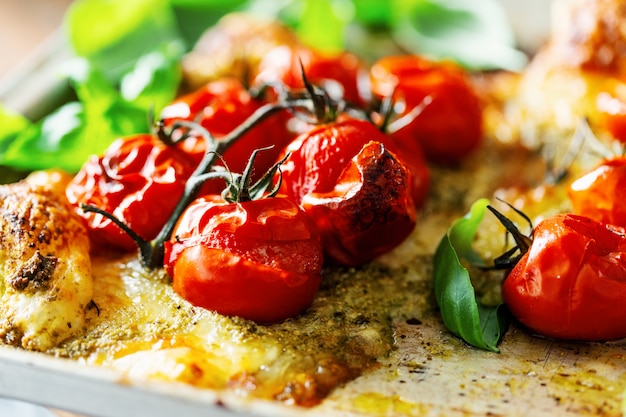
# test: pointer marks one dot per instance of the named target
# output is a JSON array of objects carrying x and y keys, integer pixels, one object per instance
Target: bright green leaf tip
[{"x": 462, "y": 314}]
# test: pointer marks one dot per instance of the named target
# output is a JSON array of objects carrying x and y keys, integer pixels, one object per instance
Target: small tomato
[
  {"x": 260, "y": 259},
  {"x": 449, "y": 126},
  {"x": 571, "y": 282},
  {"x": 356, "y": 189},
  {"x": 221, "y": 106},
  {"x": 139, "y": 180},
  {"x": 600, "y": 192},
  {"x": 611, "y": 108}
]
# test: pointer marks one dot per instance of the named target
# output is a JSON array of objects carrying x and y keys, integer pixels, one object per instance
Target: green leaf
[
  {"x": 12, "y": 125},
  {"x": 111, "y": 34},
  {"x": 154, "y": 80},
  {"x": 42, "y": 145},
  {"x": 474, "y": 33},
  {"x": 462, "y": 313},
  {"x": 323, "y": 23},
  {"x": 107, "y": 115},
  {"x": 133, "y": 43},
  {"x": 67, "y": 137},
  {"x": 194, "y": 17},
  {"x": 373, "y": 13}
]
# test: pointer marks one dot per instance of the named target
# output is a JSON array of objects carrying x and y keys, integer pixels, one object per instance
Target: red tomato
[
  {"x": 450, "y": 126},
  {"x": 612, "y": 115},
  {"x": 220, "y": 107},
  {"x": 344, "y": 69},
  {"x": 260, "y": 260},
  {"x": 572, "y": 281},
  {"x": 599, "y": 194},
  {"x": 356, "y": 190},
  {"x": 139, "y": 180}
]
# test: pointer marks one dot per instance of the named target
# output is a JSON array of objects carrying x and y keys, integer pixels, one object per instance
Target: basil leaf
[
  {"x": 374, "y": 13},
  {"x": 12, "y": 125},
  {"x": 42, "y": 145},
  {"x": 154, "y": 80},
  {"x": 475, "y": 33},
  {"x": 480, "y": 326},
  {"x": 194, "y": 17},
  {"x": 112, "y": 34},
  {"x": 322, "y": 25}
]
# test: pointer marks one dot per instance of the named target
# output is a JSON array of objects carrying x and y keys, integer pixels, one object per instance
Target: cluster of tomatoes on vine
[
  {"x": 243, "y": 195},
  {"x": 567, "y": 279}
]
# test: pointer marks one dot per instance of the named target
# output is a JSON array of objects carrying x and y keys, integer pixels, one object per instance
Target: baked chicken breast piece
[{"x": 45, "y": 268}]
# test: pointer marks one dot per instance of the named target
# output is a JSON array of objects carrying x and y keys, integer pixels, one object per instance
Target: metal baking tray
[
  {"x": 430, "y": 374},
  {"x": 94, "y": 392}
]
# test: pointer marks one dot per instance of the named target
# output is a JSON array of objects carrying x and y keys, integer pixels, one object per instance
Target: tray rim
[{"x": 76, "y": 387}]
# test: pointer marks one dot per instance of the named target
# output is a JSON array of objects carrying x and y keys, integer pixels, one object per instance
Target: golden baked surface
[
  {"x": 373, "y": 342},
  {"x": 46, "y": 286}
]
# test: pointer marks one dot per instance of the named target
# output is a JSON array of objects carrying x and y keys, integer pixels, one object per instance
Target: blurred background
[
  {"x": 28, "y": 26},
  {"x": 24, "y": 25}
]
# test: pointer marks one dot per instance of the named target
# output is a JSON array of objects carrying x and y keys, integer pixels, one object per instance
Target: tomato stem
[
  {"x": 146, "y": 249},
  {"x": 240, "y": 190},
  {"x": 153, "y": 257},
  {"x": 523, "y": 242},
  {"x": 152, "y": 252}
]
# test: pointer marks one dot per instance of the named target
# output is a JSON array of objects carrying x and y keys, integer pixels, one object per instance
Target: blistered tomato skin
[
  {"x": 600, "y": 193},
  {"x": 356, "y": 189},
  {"x": 260, "y": 260},
  {"x": 286, "y": 63},
  {"x": 139, "y": 180},
  {"x": 221, "y": 106},
  {"x": 449, "y": 126},
  {"x": 571, "y": 283}
]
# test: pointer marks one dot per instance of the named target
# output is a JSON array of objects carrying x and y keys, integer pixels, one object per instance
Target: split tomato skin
[
  {"x": 260, "y": 260},
  {"x": 368, "y": 212},
  {"x": 450, "y": 126},
  {"x": 600, "y": 193},
  {"x": 356, "y": 189},
  {"x": 319, "y": 154},
  {"x": 139, "y": 180},
  {"x": 572, "y": 281}
]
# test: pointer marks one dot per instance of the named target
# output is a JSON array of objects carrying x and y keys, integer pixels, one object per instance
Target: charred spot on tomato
[{"x": 370, "y": 210}]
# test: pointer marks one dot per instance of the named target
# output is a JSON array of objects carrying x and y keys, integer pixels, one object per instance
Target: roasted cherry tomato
[
  {"x": 139, "y": 180},
  {"x": 233, "y": 47},
  {"x": 260, "y": 260},
  {"x": 220, "y": 107},
  {"x": 612, "y": 114},
  {"x": 357, "y": 190},
  {"x": 572, "y": 281},
  {"x": 600, "y": 193},
  {"x": 449, "y": 126},
  {"x": 338, "y": 73}
]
